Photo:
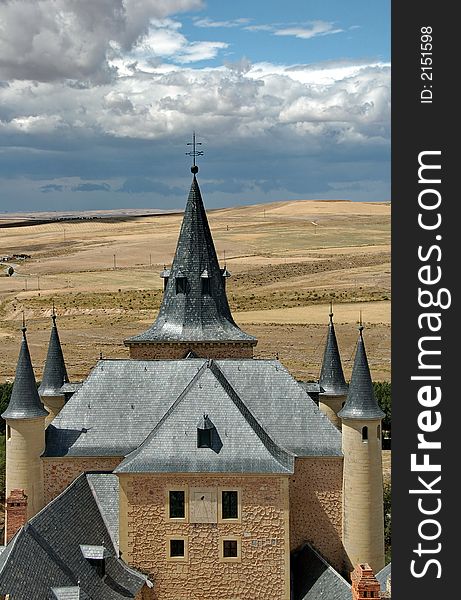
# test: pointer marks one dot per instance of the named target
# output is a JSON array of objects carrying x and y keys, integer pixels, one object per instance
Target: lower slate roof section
[
  {"x": 67, "y": 593},
  {"x": 122, "y": 401},
  {"x": 314, "y": 579},
  {"x": 238, "y": 443},
  {"x": 383, "y": 576},
  {"x": 105, "y": 489},
  {"x": 45, "y": 554}
]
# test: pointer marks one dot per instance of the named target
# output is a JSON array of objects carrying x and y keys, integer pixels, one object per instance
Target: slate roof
[
  {"x": 314, "y": 579},
  {"x": 383, "y": 576},
  {"x": 361, "y": 401},
  {"x": 122, "y": 401},
  {"x": 45, "y": 554},
  {"x": 25, "y": 402},
  {"x": 331, "y": 375},
  {"x": 106, "y": 492},
  {"x": 239, "y": 443},
  {"x": 67, "y": 593},
  {"x": 193, "y": 316},
  {"x": 54, "y": 373}
]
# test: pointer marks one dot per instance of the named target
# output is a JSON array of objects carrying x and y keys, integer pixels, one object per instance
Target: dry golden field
[{"x": 287, "y": 259}]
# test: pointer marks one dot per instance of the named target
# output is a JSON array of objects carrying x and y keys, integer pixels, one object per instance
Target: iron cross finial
[{"x": 194, "y": 152}]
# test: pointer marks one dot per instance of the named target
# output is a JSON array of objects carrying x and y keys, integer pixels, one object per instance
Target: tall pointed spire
[
  {"x": 54, "y": 373},
  {"x": 361, "y": 401},
  {"x": 25, "y": 402},
  {"x": 331, "y": 375},
  {"x": 195, "y": 306}
]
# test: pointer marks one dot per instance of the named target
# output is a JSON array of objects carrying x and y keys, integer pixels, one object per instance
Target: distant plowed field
[{"x": 288, "y": 261}]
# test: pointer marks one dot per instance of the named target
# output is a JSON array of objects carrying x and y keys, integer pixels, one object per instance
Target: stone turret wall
[
  {"x": 363, "y": 520},
  {"x": 53, "y": 405},
  {"x": 330, "y": 406},
  {"x": 168, "y": 351},
  {"x": 25, "y": 442}
]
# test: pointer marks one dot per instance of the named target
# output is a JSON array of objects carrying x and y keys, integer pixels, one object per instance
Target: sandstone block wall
[
  {"x": 175, "y": 351},
  {"x": 262, "y": 572},
  {"x": 316, "y": 507},
  {"x": 58, "y": 473}
]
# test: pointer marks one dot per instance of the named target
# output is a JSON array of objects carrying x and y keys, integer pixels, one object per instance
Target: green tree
[
  {"x": 387, "y": 493},
  {"x": 383, "y": 395},
  {"x": 5, "y": 395}
]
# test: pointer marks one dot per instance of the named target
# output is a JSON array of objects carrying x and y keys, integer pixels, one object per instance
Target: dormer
[
  {"x": 205, "y": 283},
  {"x": 96, "y": 556},
  {"x": 205, "y": 432}
]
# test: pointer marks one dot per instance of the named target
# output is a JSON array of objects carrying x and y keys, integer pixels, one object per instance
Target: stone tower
[
  {"x": 54, "y": 375},
  {"x": 331, "y": 380},
  {"x": 363, "y": 519},
  {"x": 195, "y": 314},
  {"x": 25, "y": 436}
]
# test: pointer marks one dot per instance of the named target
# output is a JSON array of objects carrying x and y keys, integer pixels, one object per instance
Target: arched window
[{"x": 365, "y": 434}]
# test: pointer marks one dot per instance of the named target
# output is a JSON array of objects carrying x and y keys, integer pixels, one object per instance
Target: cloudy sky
[{"x": 290, "y": 99}]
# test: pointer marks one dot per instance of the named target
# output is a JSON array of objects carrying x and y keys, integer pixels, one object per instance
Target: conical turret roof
[
  {"x": 192, "y": 311},
  {"x": 25, "y": 402},
  {"x": 54, "y": 373},
  {"x": 361, "y": 401},
  {"x": 331, "y": 375}
]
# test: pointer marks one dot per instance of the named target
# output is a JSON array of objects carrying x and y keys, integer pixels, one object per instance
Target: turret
[
  {"x": 25, "y": 441},
  {"x": 363, "y": 519},
  {"x": 54, "y": 375},
  {"x": 332, "y": 383},
  {"x": 195, "y": 314}
]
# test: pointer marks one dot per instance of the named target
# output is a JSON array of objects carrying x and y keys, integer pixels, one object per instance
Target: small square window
[
  {"x": 177, "y": 548},
  {"x": 229, "y": 504},
  {"x": 230, "y": 549},
  {"x": 177, "y": 504}
]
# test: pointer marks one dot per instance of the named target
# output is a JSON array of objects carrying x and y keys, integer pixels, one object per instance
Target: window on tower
[
  {"x": 206, "y": 287},
  {"x": 365, "y": 434},
  {"x": 181, "y": 285}
]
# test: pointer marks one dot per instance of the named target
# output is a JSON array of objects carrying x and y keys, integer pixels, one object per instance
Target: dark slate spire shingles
[
  {"x": 194, "y": 315},
  {"x": 331, "y": 375},
  {"x": 54, "y": 373},
  {"x": 361, "y": 401},
  {"x": 25, "y": 402}
]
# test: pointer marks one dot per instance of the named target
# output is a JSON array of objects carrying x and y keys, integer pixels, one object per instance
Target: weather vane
[{"x": 194, "y": 152}]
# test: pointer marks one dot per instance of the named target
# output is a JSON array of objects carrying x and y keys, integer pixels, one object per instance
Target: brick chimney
[
  {"x": 16, "y": 512},
  {"x": 364, "y": 583}
]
